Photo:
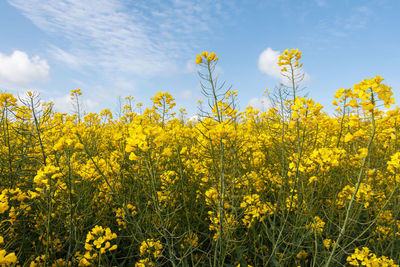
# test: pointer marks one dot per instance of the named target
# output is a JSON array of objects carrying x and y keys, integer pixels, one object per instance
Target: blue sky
[{"x": 111, "y": 48}]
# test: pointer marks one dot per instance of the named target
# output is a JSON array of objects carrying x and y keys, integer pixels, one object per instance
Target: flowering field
[{"x": 292, "y": 186}]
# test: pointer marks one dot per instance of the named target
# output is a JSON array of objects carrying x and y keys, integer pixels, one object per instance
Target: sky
[{"x": 116, "y": 48}]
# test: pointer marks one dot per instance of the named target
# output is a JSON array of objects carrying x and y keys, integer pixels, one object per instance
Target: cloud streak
[{"x": 144, "y": 38}]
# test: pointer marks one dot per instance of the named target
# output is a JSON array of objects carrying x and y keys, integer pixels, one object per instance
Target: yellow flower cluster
[
  {"x": 168, "y": 178},
  {"x": 99, "y": 239},
  {"x": 328, "y": 243},
  {"x": 365, "y": 257},
  {"x": 151, "y": 250},
  {"x": 324, "y": 159},
  {"x": 290, "y": 58},
  {"x": 371, "y": 90},
  {"x": 228, "y": 187},
  {"x": 6, "y": 259},
  {"x": 3, "y": 202},
  {"x": 255, "y": 210},
  {"x": 228, "y": 226},
  {"x": 76, "y": 92},
  {"x": 292, "y": 202},
  {"x": 302, "y": 255},
  {"x": 162, "y": 99},
  {"x": 387, "y": 226},
  {"x": 151, "y": 247},
  {"x": 191, "y": 240},
  {"x": 7, "y": 100},
  {"x": 211, "y": 196},
  {"x": 43, "y": 175},
  {"x": 364, "y": 195},
  {"x": 393, "y": 165},
  {"x": 317, "y": 225},
  {"x": 207, "y": 57},
  {"x": 98, "y": 242},
  {"x": 306, "y": 109},
  {"x": 365, "y": 94},
  {"x": 120, "y": 215}
]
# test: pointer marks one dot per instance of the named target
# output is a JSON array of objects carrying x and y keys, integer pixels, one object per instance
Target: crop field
[{"x": 288, "y": 186}]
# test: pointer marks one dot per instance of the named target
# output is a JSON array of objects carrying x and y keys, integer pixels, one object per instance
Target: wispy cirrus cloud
[
  {"x": 359, "y": 19},
  {"x": 335, "y": 29},
  {"x": 142, "y": 37},
  {"x": 64, "y": 56}
]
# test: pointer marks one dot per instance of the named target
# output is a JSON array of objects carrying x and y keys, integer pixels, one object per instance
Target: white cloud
[
  {"x": 321, "y": 3},
  {"x": 185, "y": 94},
  {"x": 90, "y": 104},
  {"x": 267, "y": 63},
  {"x": 359, "y": 19},
  {"x": 144, "y": 37},
  {"x": 64, "y": 104},
  {"x": 19, "y": 69},
  {"x": 259, "y": 103},
  {"x": 194, "y": 118},
  {"x": 190, "y": 65}
]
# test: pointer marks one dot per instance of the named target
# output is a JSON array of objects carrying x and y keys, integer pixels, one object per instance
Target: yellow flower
[
  {"x": 211, "y": 56},
  {"x": 302, "y": 255},
  {"x": 328, "y": 243},
  {"x": 205, "y": 54},
  {"x": 199, "y": 59},
  {"x": 318, "y": 224},
  {"x": 7, "y": 259},
  {"x": 99, "y": 238}
]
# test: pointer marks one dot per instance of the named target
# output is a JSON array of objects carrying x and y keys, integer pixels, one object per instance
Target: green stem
[{"x": 353, "y": 197}]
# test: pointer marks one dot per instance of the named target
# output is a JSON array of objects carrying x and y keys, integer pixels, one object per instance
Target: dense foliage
[{"x": 292, "y": 186}]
